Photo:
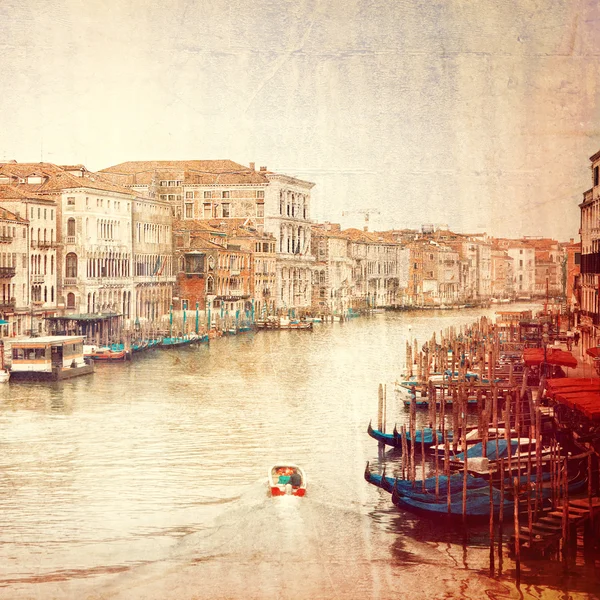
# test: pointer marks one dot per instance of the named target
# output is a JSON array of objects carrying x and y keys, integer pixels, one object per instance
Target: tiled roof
[
  {"x": 7, "y": 215},
  {"x": 201, "y": 225},
  {"x": 58, "y": 179},
  {"x": 201, "y": 172},
  {"x": 17, "y": 192}
]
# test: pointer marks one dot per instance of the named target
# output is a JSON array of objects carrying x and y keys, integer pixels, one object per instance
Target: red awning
[
  {"x": 593, "y": 352},
  {"x": 555, "y": 386},
  {"x": 554, "y": 356},
  {"x": 586, "y": 402}
]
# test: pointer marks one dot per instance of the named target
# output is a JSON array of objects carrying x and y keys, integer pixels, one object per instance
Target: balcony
[
  {"x": 6, "y": 239},
  {"x": 70, "y": 281},
  {"x": 44, "y": 245},
  {"x": 70, "y": 239},
  {"x": 37, "y": 279},
  {"x": 7, "y": 272},
  {"x": 8, "y": 303}
]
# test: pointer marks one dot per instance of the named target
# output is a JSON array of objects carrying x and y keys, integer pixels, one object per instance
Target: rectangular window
[
  {"x": 189, "y": 195},
  {"x": 260, "y": 209},
  {"x": 189, "y": 210},
  {"x": 70, "y": 201},
  {"x": 224, "y": 194},
  {"x": 260, "y": 193},
  {"x": 225, "y": 210},
  {"x": 208, "y": 194},
  {"x": 596, "y": 176},
  {"x": 171, "y": 198},
  {"x": 207, "y": 210}
]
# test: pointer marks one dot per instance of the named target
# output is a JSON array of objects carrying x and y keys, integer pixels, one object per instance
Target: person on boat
[
  {"x": 283, "y": 476},
  {"x": 296, "y": 479}
]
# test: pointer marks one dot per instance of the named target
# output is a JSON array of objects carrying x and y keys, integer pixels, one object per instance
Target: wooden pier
[{"x": 560, "y": 525}]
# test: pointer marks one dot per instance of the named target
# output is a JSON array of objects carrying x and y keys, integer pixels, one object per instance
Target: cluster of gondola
[
  {"x": 466, "y": 494},
  {"x": 501, "y": 470}
]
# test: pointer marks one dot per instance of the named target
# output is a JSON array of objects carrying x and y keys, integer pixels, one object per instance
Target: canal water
[{"x": 148, "y": 479}]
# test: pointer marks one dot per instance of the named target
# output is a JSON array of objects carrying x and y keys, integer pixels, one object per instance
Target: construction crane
[{"x": 365, "y": 211}]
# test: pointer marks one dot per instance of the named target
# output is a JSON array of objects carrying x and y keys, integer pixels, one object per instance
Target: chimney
[
  {"x": 252, "y": 167},
  {"x": 263, "y": 169}
]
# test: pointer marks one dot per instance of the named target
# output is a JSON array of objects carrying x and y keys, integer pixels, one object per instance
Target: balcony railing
[
  {"x": 70, "y": 239},
  {"x": 7, "y": 303},
  {"x": 70, "y": 281},
  {"x": 7, "y": 272},
  {"x": 37, "y": 279},
  {"x": 45, "y": 244},
  {"x": 6, "y": 239}
]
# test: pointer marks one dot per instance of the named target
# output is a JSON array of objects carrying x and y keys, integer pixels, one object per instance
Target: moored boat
[
  {"x": 49, "y": 358},
  {"x": 104, "y": 353},
  {"x": 426, "y": 436},
  {"x": 300, "y": 325},
  {"x": 287, "y": 480}
]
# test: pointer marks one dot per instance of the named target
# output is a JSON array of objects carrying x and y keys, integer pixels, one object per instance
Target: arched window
[
  {"x": 71, "y": 265},
  {"x": 210, "y": 285},
  {"x": 70, "y": 300},
  {"x": 71, "y": 227},
  {"x": 52, "y": 265}
]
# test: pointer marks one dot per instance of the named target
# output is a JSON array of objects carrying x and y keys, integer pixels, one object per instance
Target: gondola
[
  {"x": 477, "y": 503},
  {"x": 176, "y": 342},
  {"x": 395, "y": 439},
  {"x": 405, "y": 487}
]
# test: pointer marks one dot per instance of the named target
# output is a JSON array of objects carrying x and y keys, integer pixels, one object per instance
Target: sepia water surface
[{"x": 148, "y": 479}]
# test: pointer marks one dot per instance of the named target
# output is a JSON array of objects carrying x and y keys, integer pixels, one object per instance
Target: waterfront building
[
  {"x": 523, "y": 257},
  {"x": 573, "y": 277},
  {"x": 381, "y": 269},
  {"x": 271, "y": 202},
  {"x": 589, "y": 315},
  {"x": 435, "y": 273},
  {"x": 211, "y": 270},
  {"x": 502, "y": 276},
  {"x": 260, "y": 247},
  {"x": 95, "y": 246},
  {"x": 333, "y": 271},
  {"x": 28, "y": 259},
  {"x": 549, "y": 267},
  {"x": 474, "y": 253},
  {"x": 152, "y": 251}
]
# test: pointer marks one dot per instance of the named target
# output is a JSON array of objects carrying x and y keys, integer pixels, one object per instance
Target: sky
[{"x": 476, "y": 114}]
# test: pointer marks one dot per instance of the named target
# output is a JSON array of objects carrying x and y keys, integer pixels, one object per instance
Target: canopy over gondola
[
  {"x": 580, "y": 393},
  {"x": 552, "y": 356}
]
